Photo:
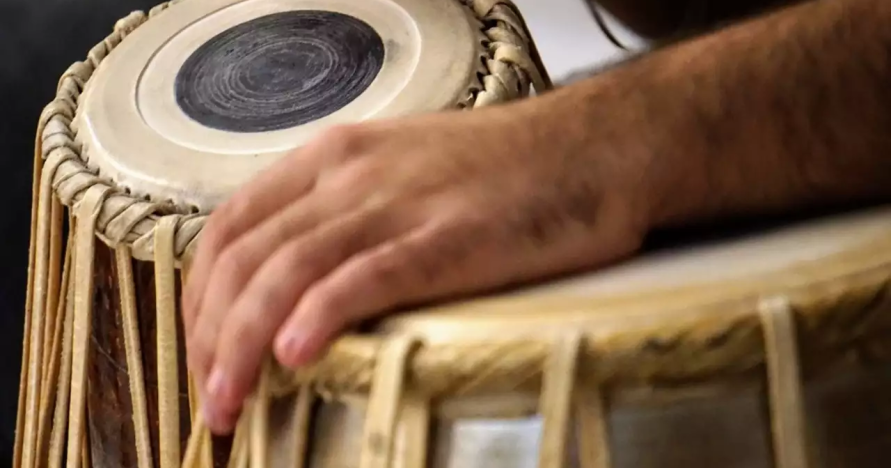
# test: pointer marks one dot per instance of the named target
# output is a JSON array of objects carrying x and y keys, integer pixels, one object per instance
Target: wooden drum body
[{"x": 165, "y": 118}]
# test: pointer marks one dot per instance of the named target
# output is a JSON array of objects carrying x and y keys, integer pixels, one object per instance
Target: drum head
[
  {"x": 817, "y": 260},
  {"x": 206, "y": 94}
]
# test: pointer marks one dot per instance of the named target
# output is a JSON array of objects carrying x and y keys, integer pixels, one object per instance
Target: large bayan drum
[
  {"x": 754, "y": 348},
  {"x": 164, "y": 119}
]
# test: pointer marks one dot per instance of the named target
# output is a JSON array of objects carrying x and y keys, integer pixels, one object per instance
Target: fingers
[
  {"x": 284, "y": 183},
  {"x": 429, "y": 262},
  {"x": 261, "y": 198},
  {"x": 235, "y": 265},
  {"x": 235, "y": 339},
  {"x": 456, "y": 255}
]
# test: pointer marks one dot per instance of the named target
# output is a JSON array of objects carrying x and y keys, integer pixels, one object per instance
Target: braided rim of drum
[
  {"x": 509, "y": 66},
  {"x": 846, "y": 317}
]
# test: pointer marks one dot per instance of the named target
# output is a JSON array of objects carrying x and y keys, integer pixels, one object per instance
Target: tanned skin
[
  {"x": 780, "y": 112},
  {"x": 775, "y": 114}
]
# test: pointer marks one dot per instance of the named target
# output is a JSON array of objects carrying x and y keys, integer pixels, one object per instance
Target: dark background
[{"x": 39, "y": 39}]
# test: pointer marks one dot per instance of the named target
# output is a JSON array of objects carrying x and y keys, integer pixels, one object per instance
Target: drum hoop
[
  {"x": 510, "y": 66},
  {"x": 841, "y": 317}
]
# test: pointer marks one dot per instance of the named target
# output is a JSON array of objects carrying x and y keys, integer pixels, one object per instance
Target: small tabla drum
[{"x": 166, "y": 117}]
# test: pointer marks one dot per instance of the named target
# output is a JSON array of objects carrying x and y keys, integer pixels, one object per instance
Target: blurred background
[{"x": 39, "y": 39}]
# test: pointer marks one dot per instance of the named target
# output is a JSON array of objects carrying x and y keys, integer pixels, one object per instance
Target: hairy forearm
[{"x": 786, "y": 111}]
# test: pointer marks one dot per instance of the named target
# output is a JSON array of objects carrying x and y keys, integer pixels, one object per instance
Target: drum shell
[
  {"x": 696, "y": 424},
  {"x": 699, "y": 425},
  {"x": 109, "y": 400}
]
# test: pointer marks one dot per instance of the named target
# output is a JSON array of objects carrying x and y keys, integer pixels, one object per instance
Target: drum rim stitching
[
  {"x": 496, "y": 71},
  {"x": 731, "y": 345}
]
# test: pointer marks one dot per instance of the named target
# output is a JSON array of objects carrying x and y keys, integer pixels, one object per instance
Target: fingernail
[
  {"x": 217, "y": 385},
  {"x": 290, "y": 345},
  {"x": 211, "y": 417},
  {"x": 216, "y": 394}
]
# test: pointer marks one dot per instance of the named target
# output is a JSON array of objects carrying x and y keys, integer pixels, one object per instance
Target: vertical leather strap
[
  {"x": 51, "y": 373},
  {"x": 386, "y": 396},
  {"x": 133, "y": 350},
  {"x": 414, "y": 431},
  {"x": 53, "y": 298},
  {"x": 238, "y": 458},
  {"x": 593, "y": 432},
  {"x": 29, "y": 296},
  {"x": 63, "y": 389},
  {"x": 259, "y": 422},
  {"x": 205, "y": 446},
  {"x": 168, "y": 359},
  {"x": 200, "y": 437},
  {"x": 84, "y": 245},
  {"x": 289, "y": 436},
  {"x": 559, "y": 382},
  {"x": 43, "y": 264},
  {"x": 784, "y": 384}
]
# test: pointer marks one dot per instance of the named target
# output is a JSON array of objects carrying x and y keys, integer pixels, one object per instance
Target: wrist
[{"x": 592, "y": 128}]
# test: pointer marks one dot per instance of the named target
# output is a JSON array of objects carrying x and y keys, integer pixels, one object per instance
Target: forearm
[{"x": 787, "y": 111}]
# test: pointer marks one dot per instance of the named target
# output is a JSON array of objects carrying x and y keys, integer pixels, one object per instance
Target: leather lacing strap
[
  {"x": 378, "y": 439},
  {"x": 133, "y": 349},
  {"x": 47, "y": 233},
  {"x": 168, "y": 355},
  {"x": 512, "y": 62},
  {"x": 784, "y": 383},
  {"x": 53, "y": 324},
  {"x": 52, "y": 375},
  {"x": 84, "y": 254},
  {"x": 593, "y": 435},
  {"x": 289, "y": 433},
  {"x": 63, "y": 378},
  {"x": 560, "y": 373}
]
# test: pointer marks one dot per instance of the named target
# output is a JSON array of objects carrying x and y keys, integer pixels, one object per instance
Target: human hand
[{"x": 386, "y": 214}]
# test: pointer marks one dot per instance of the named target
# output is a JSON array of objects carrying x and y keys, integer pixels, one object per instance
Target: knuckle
[
  {"x": 232, "y": 263},
  {"x": 341, "y": 142},
  {"x": 241, "y": 333},
  {"x": 303, "y": 258},
  {"x": 223, "y": 223},
  {"x": 200, "y": 350},
  {"x": 384, "y": 266},
  {"x": 354, "y": 177},
  {"x": 323, "y": 304}
]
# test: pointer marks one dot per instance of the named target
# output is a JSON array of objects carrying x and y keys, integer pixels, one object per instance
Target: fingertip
[
  {"x": 219, "y": 422},
  {"x": 296, "y": 347},
  {"x": 298, "y": 343},
  {"x": 225, "y": 396}
]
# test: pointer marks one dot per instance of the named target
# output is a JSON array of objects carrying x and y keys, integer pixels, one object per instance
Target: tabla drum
[
  {"x": 756, "y": 349},
  {"x": 167, "y": 116}
]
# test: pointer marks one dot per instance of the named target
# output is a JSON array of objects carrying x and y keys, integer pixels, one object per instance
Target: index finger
[{"x": 288, "y": 179}]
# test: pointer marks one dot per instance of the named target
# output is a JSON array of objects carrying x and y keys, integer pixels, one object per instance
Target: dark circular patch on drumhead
[{"x": 279, "y": 71}]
